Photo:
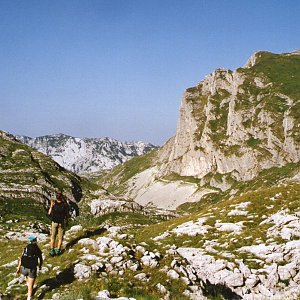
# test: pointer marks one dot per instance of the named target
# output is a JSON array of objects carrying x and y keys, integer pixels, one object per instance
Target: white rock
[
  {"x": 192, "y": 228},
  {"x": 261, "y": 250},
  {"x": 90, "y": 257},
  {"x": 162, "y": 236},
  {"x": 236, "y": 212},
  {"x": 161, "y": 288},
  {"x": 97, "y": 266},
  {"x": 82, "y": 271},
  {"x": 88, "y": 242},
  {"x": 173, "y": 274},
  {"x": 146, "y": 260},
  {"x": 141, "y": 276},
  {"x": 230, "y": 227},
  {"x": 140, "y": 249},
  {"x": 75, "y": 228},
  {"x": 114, "y": 230},
  {"x": 287, "y": 271},
  {"x": 103, "y": 295},
  {"x": 56, "y": 296},
  {"x": 23, "y": 236},
  {"x": 119, "y": 249},
  {"x": 264, "y": 291},
  {"x": 116, "y": 259},
  {"x": 185, "y": 280},
  {"x": 109, "y": 267},
  {"x": 13, "y": 282},
  {"x": 44, "y": 270},
  {"x": 11, "y": 264},
  {"x": 251, "y": 281},
  {"x": 134, "y": 267},
  {"x": 85, "y": 250},
  {"x": 104, "y": 206}
]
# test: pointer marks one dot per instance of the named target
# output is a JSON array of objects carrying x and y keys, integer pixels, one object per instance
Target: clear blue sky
[{"x": 119, "y": 68}]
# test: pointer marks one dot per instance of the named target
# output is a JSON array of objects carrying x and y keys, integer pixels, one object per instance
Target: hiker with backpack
[
  {"x": 58, "y": 213},
  {"x": 31, "y": 257}
]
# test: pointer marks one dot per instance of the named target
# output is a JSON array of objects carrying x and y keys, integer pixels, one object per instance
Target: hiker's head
[
  {"x": 59, "y": 197},
  {"x": 32, "y": 238}
]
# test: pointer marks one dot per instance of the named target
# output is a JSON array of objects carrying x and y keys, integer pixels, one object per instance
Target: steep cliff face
[
  {"x": 232, "y": 126},
  {"x": 240, "y": 122}
]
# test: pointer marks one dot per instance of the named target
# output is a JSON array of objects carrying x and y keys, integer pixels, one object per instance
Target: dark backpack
[
  {"x": 58, "y": 213},
  {"x": 30, "y": 256}
]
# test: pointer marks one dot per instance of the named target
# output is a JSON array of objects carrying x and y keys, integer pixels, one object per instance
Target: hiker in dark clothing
[
  {"x": 58, "y": 212},
  {"x": 31, "y": 257}
]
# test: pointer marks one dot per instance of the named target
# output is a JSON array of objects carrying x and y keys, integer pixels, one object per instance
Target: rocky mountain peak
[
  {"x": 297, "y": 52},
  {"x": 86, "y": 155},
  {"x": 229, "y": 119},
  {"x": 7, "y": 136},
  {"x": 254, "y": 59}
]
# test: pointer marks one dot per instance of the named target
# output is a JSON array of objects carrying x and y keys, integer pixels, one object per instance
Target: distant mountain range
[{"x": 86, "y": 155}]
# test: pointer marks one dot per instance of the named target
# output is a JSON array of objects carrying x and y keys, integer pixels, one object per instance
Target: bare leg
[
  {"x": 54, "y": 230},
  {"x": 52, "y": 243},
  {"x": 30, "y": 283},
  {"x": 59, "y": 244}
]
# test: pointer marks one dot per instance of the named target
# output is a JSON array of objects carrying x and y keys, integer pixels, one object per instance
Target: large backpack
[
  {"x": 58, "y": 213},
  {"x": 30, "y": 256}
]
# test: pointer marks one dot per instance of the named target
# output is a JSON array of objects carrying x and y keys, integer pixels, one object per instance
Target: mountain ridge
[{"x": 86, "y": 155}]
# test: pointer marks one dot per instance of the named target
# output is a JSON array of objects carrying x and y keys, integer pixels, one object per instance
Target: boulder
[{"x": 82, "y": 271}]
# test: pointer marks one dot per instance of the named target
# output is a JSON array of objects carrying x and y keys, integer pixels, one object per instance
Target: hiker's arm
[
  {"x": 50, "y": 208},
  {"x": 19, "y": 266},
  {"x": 41, "y": 261},
  {"x": 39, "y": 254}
]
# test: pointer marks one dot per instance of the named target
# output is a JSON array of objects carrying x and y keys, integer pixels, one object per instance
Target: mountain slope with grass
[
  {"x": 232, "y": 126},
  {"x": 28, "y": 177},
  {"x": 229, "y": 247}
]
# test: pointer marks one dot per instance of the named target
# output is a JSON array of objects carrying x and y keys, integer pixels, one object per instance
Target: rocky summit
[
  {"x": 86, "y": 155},
  {"x": 213, "y": 214}
]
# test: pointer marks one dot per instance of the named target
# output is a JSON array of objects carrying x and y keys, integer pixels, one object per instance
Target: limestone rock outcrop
[
  {"x": 232, "y": 126},
  {"x": 237, "y": 122}
]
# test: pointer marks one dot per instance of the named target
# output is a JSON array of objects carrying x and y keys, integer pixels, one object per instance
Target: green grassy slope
[{"x": 28, "y": 175}]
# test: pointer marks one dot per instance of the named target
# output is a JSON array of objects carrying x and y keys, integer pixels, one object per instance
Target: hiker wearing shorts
[
  {"x": 58, "y": 213},
  {"x": 31, "y": 257}
]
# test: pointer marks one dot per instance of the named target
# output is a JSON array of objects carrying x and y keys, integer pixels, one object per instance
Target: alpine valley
[{"x": 212, "y": 214}]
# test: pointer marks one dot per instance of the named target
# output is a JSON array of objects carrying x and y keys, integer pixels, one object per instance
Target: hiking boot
[
  {"x": 52, "y": 252},
  {"x": 57, "y": 251}
]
